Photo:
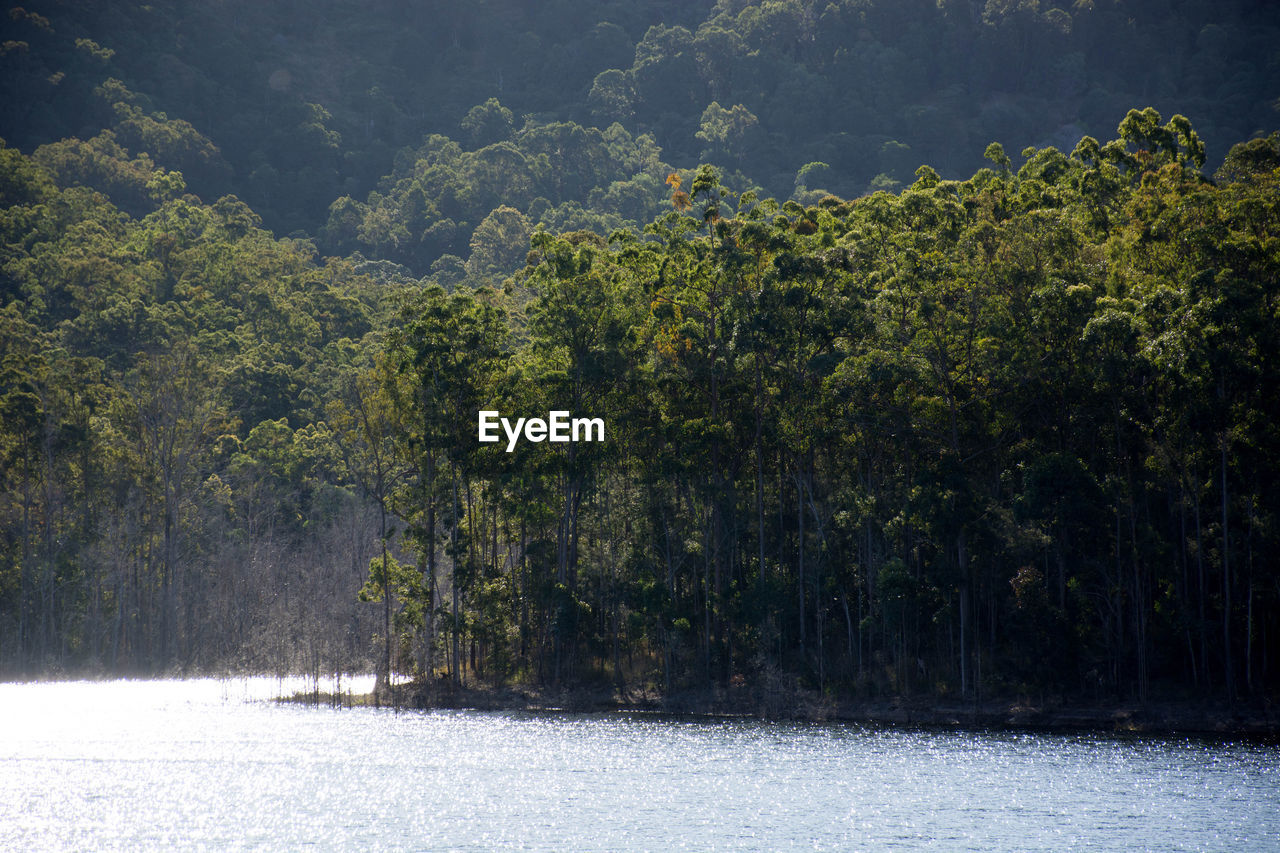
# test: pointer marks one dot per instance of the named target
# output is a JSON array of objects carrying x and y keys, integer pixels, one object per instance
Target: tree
[
  {"x": 725, "y": 131},
  {"x": 488, "y": 123}
]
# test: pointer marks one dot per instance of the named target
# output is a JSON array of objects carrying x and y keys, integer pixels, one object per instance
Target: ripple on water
[{"x": 187, "y": 764}]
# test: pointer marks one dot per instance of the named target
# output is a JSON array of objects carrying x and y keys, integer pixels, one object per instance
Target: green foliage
[
  {"x": 799, "y": 82},
  {"x": 166, "y": 377},
  {"x": 973, "y": 413},
  {"x": 725, "y": 130},
  {"x": 480, "y": 204},
  {"x": 1009, "y": 432}
]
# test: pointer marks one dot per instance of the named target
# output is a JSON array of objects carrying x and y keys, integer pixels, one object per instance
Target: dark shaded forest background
[{"x": 890, "y": 409}]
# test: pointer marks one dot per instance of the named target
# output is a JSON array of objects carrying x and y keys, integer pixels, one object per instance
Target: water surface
[{"x": 208, "y": 764}]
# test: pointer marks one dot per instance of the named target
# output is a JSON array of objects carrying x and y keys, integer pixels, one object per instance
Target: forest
[{"x": 1001, "y": 424}]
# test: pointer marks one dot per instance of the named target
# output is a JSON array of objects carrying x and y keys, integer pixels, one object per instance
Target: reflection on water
[{"x": 149, "y": 765}]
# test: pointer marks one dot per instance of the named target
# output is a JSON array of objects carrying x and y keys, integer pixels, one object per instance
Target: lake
[{"x": 210, "y": 764}]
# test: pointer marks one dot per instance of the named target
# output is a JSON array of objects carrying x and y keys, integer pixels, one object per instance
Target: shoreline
[{"x": 1253, "y": 720}]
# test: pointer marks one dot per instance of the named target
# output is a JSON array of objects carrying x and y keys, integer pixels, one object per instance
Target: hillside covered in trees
[{"x": 1000, "y": 424}]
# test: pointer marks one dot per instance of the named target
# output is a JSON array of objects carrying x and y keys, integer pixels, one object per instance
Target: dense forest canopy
[
  {"x": 293, "y": 106},
  {"x": 998, "y": 424}
]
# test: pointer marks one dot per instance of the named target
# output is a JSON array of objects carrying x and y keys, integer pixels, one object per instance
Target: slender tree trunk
[
  {"x": 1248, "y": 647},
  {"x": 708, "y": 557},
  {"x": 1202, "y": 623},
  {"x": 456, "y": 659},
  {"x": 1139, "y": 604},
  {"x": 962, "y": 559},
  {"x": 386, "y": 606},
  {"x": 524, "y": 583},
  {"x": 761, "y": 578},
  {"x": 1228, "y": 667},
  {"x": 1186, "y": 581},
  {"x": 433, "y": 597},
  {"x": 24, "y": 592},
  {"x": 800, "y": 598}
]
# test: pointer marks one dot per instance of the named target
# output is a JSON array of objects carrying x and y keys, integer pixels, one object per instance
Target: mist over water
[{"x": 151, "y": 765}]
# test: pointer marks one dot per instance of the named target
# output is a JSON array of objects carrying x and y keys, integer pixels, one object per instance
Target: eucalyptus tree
[{"x": 446, "y": 359}]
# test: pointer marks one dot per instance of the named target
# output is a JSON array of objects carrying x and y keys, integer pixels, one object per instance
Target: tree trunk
[
  {"x": 800, "y": 558},
  {"x": 456, "y": 658},
  {"x": 962, "y": 560},
  {"x": 1228, "y": 667}
]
